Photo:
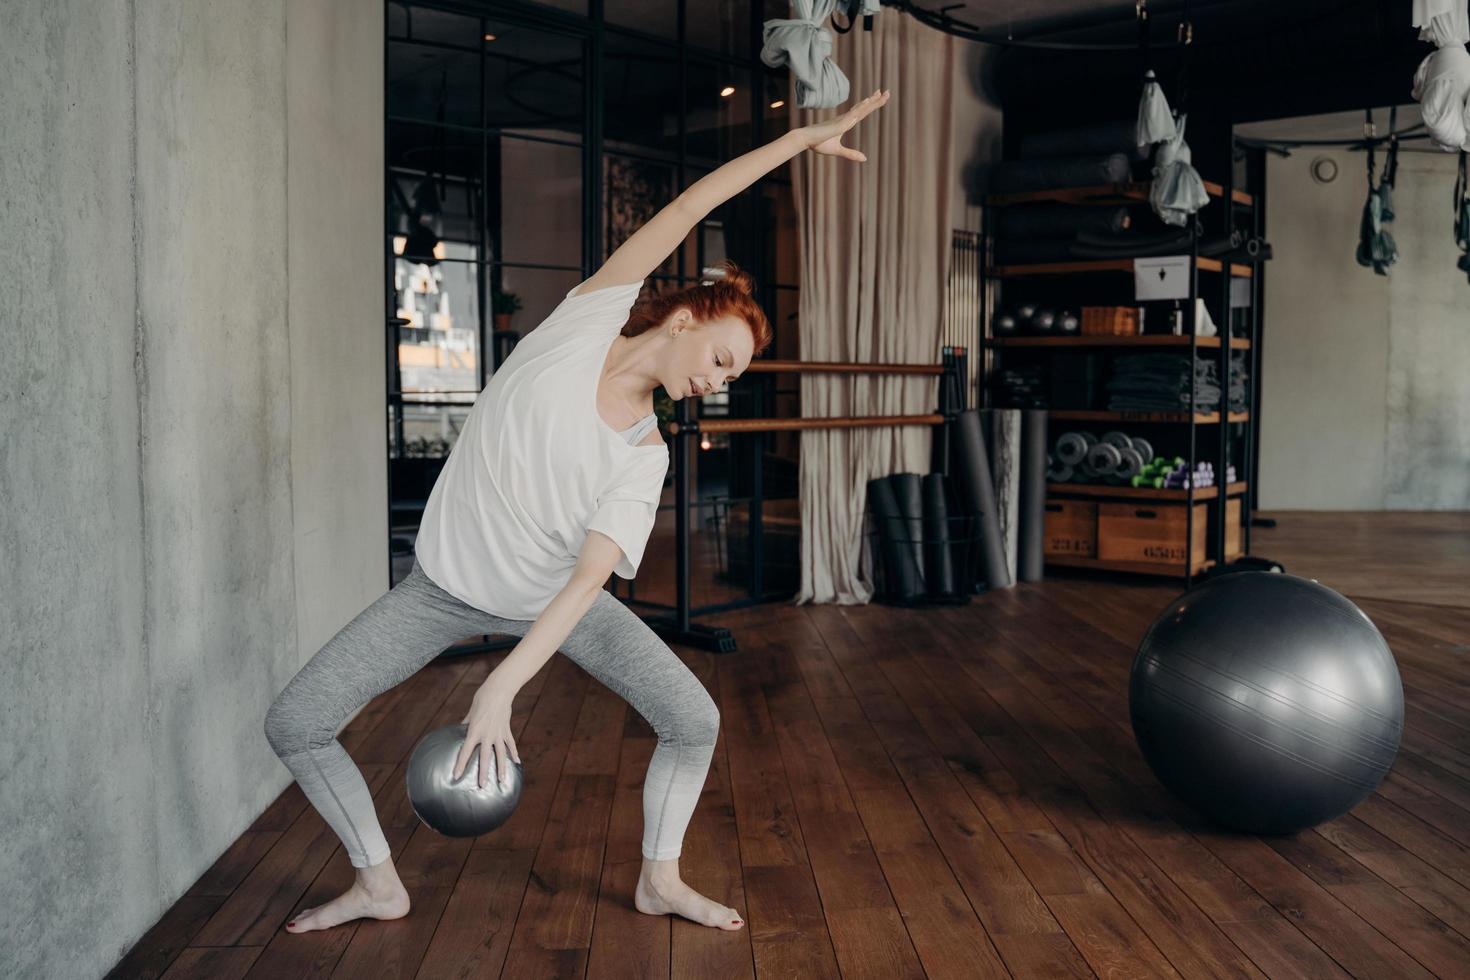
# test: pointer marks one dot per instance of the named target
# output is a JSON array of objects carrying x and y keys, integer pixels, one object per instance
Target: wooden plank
[
  {"x": 1093, "y": 866},
  {"x": 473, "y": 934},
  {"x": 710, "y": 860},
  {"x": 867, "y": 930},
  {"x": 225, "y": 875},
  {"x": 625, "y": 942},
  {"x": 166, "y": 939},
  {"x": 788, "y": 934},
  {"x": 1351, "y": 941},
  {"x": 931, "y": 840},
  {"x": 212, "y": 964},
  {"x": 1416, "y": 930}
]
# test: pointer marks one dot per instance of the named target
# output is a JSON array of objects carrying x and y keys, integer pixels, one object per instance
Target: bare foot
[
  {"x": 680, "y": 899},
  {"x": 355, "y": 903}
]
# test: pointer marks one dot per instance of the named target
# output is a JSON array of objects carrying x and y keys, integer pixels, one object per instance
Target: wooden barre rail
[
  {"x": 794, "y": 425},
  {"x": 839, "y": 367}
]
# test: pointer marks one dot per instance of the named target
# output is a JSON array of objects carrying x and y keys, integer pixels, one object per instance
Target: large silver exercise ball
[
  {"x": 1266, "y": 701},
  {"x": 458, "y": 808}
]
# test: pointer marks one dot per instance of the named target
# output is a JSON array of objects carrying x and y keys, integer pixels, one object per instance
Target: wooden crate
[
  {"x": 1110, "y": 320},
  {"x": 1153, "y": 532},
  {"x": 1071, "y": 528}
]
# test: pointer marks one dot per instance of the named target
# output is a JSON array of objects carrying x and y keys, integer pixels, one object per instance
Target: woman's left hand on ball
[{"x": 489, "y": 728}]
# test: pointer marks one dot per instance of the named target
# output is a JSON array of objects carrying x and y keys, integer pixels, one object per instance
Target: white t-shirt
[{"x": 536, "y": 468}]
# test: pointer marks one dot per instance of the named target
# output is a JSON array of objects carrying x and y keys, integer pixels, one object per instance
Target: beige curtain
[{"x": 874, "y": 240}]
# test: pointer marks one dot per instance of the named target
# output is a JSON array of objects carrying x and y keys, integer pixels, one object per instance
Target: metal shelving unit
[{"x": 1229, "y": 208}]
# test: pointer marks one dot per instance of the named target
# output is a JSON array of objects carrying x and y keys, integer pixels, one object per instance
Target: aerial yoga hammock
[
  {"x": 804, "y": 43},
  {"x": 1442, "y": 82},
  {"x": 1376, "y": 247},
  {"x": 1177, "y": 191}
]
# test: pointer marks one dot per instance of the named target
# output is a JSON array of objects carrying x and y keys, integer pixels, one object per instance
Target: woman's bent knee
[
  {"x": 698, "y": 724},
  {"x": 285, "y": 736}
]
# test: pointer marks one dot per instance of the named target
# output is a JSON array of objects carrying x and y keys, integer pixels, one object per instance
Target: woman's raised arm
[{"x": 647, "y": 247}]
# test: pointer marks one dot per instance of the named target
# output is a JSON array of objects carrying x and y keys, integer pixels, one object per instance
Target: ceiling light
[{"x": 728, "y": 90}]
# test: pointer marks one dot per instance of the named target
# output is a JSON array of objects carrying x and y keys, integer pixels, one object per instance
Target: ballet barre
[
  {"x": 798, "y": 425},
  {"x": 839, "y": 367},
  {"x": 952, "y": 399}
]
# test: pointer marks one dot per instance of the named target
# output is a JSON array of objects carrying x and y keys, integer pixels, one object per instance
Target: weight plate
[
  {"x": 1131, "y": 463},
  {"x": 1072, "y": 447},
  {"x": 1104, "y": 458}
]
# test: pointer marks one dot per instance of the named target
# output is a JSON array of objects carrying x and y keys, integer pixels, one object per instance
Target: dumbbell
[
  {"x": 1004, "y": 325},
  {"x": 1124, "y": 441},
  {"x": 1072, "y": 447},
  {"x": 1067, "y": 323},
  {"x": 1130, "y": 464},
  {"x": 1043, "y": 321},
  {"x": 1104, "y": 458}
]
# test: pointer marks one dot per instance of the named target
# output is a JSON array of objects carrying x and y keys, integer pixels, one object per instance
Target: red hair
[{"x": 729, "y": 295}]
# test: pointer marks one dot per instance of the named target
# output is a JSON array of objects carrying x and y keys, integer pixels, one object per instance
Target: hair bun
[{"x": 736, "y": 277}]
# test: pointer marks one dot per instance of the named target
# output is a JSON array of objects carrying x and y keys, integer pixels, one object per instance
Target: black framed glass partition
[{"x": 524, "y": 143}]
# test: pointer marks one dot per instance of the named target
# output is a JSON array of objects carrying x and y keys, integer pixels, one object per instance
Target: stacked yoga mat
[
  {"x": 939, "y": 540},
  {"x": 1163, "y": 382}
]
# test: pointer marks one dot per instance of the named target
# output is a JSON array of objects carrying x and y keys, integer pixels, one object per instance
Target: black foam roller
[
  {"x": 1019, "y": 251},
  {"x": 973, "y": 466},
  {"x": 1042, "y": 221},
  {"x": 898, "y": 577},
  {"x": 939, "y": 565},
  {"x": 908, "y": 490},
  {"x": 1113, "y": 136},
  {"x": 1044, "y": 173},
  {"x": 1030, "y": 549}
]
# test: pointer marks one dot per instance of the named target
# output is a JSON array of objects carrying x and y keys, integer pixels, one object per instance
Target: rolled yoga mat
[
  {"x": 908, "y": 490},
  {"x": 1115, "y": 136},
  {"x": 939, "y": 547},
  {"x": 973, "y": 466},
  {"x": 1016, "y": 176},
  {"x": 1003, "y": 427},
  {"x": 899, "y": 578},
  {"x": 1033, "y": 495},
  {"x": 1034, "y": 221}
]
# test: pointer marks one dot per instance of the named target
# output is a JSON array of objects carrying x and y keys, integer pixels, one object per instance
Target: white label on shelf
[{"x": 1161, "y": 277}]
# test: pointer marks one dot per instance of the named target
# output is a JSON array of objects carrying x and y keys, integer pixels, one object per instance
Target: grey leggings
[{"x": 412, "y": 623}]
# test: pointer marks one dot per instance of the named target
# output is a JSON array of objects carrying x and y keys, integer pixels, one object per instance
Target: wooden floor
[{"x": 951, "y": 792}]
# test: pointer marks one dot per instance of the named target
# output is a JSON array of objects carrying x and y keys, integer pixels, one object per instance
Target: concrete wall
[
  {"x": 1365, "y": 378},
  {"x": 193, "y": 451}
]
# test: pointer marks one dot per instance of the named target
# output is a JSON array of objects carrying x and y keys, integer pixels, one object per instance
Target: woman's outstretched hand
[
  {"x": 826, "y": 137},
  {"x": 489, "y": 721}
]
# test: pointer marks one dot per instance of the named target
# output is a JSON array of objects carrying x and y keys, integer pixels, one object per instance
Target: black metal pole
[
  {"x": 1223, "y": 334},
  {"x": 681, "y": 521},
  {"x": 1192, "y": 405}
]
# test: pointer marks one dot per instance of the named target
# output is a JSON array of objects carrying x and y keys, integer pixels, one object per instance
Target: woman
[{"x": 552, "y": 487}]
